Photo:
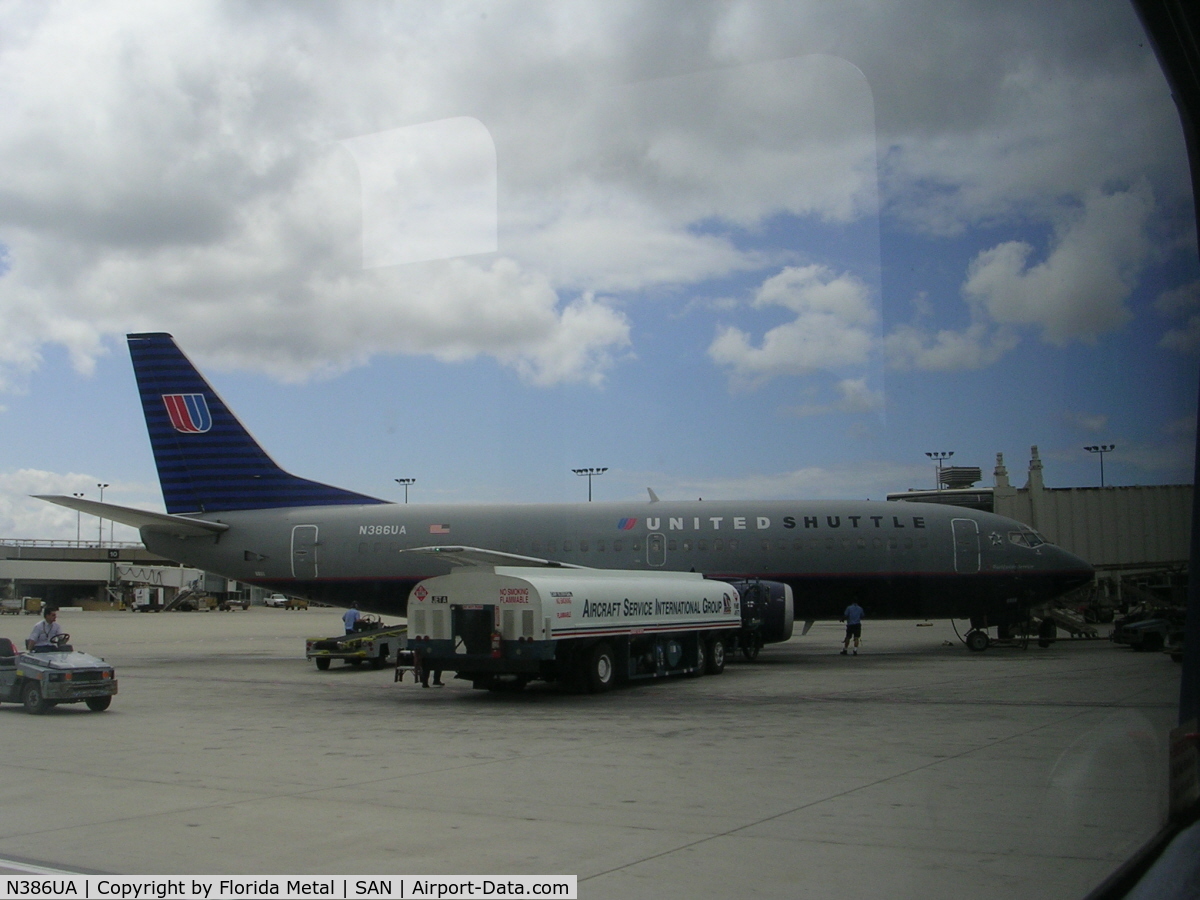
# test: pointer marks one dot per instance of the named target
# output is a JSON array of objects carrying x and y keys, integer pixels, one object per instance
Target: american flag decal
[{"x": 439, "y": 529}]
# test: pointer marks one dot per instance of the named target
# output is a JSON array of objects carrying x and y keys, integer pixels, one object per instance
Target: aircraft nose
[{"x": 1072, "y": 569}]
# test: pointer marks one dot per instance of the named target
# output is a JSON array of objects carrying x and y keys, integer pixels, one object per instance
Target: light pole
[
  {"x": 589, "y": 473},
  {"x": 100, "y": 531},
  {"x": 406, "y": 482},
  {"x": 1101, "y": 449},
  {"x": 938, "y": 456},
  {"x": 78, "y": 539}
]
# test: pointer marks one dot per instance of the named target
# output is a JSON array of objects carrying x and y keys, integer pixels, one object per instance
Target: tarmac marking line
[{"x": 837, "y": 796}]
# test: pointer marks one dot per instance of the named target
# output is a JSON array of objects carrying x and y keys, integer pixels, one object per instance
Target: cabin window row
[{"x": 686, "y": 545}]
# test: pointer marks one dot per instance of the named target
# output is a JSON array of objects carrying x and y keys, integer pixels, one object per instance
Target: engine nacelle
[{"x": 767, "y": 605}]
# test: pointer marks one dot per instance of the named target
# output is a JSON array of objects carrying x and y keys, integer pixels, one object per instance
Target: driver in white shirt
[{"x": 45, "y": 631}]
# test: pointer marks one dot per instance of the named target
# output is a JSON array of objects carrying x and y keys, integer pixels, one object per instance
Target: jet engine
[{"x": 766, "y": 609}]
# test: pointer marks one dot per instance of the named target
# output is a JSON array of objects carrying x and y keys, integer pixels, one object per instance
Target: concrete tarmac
[{"x": 916, "y": 769}]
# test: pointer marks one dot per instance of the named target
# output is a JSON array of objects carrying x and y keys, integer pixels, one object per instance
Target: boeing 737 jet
[{"x": 233, "y": 511}]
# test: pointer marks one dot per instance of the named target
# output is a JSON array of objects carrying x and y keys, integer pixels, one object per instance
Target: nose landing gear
[{"x": 977, "y": 640}]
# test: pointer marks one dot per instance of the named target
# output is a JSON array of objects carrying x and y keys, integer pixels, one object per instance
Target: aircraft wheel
[
  {"x": 98, "y": 704},
  {"x": 34, "y": 701},
  {"x": 322, "y": 662},
  {"x": 977, "y": 641},
  {"x": 716, "y": 656},
  {"x": 602, "y": 669}
]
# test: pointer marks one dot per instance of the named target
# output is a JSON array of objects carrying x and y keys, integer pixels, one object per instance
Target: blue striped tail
[{"x": 207, "y": 461}]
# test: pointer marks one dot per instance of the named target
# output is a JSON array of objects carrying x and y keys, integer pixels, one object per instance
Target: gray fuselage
[{"x": 898, "y": 559}]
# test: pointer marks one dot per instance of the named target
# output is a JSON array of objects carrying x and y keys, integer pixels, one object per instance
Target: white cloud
[
  {"x": 976, "y": 346},
  {"x": 735, "y": 143},
  {"x": 1181, "y": 303},
  {"x": 1040, "y": 136},
  {"x": 833, "y": 327},
  {"x": 428, "y": 191},
  {"x": 995, "y": 114},
  {"x": 178, "y": 168},
  {"x": 1094, "y": 423},
  {"x": 23, "y": 517},
  {"x": 1162, "y": 462},
  {"x": 855, "y": 395},
  {"x": 583, "y": 339},
  {"x": 869, "y": 479},
  {"x": 1079, "y": 291}
]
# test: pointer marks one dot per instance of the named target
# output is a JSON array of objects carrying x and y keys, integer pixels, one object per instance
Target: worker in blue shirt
[
  {"x": 853, "y": 619},
  {"x": 350, "y": 617}
]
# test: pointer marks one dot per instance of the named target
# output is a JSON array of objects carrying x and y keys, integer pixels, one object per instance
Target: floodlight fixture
[
  {"x": 100, "y": 524},
  {"x": 590, "y": 473},
  {"x": 1101, "y": 449},
  {"x": 406, "y": 482}
]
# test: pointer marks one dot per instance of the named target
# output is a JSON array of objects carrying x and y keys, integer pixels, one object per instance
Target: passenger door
[
  {"x": 966, "y": 546},
  {"x": 656, "y": 550},
  {"x": 304, "y": 552}
]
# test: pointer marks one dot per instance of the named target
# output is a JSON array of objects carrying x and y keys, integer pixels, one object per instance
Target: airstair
[{"x": 1071, "y": 622}]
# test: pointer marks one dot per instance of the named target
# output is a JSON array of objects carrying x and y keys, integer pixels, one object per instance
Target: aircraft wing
[
  {"x": 477, "y": 556},
  {"x": 161, "y": 523}
]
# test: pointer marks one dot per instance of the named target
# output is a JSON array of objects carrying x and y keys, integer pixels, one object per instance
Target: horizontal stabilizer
[
  {"x": 160, "y": 523},
  {"x": 476, "y": 556}
]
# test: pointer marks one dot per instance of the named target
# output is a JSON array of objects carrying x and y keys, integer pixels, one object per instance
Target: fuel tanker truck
[{"x": 502, "y": 626}]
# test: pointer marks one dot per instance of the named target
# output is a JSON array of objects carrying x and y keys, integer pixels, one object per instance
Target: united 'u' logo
[{"x": 189, "y": 412}]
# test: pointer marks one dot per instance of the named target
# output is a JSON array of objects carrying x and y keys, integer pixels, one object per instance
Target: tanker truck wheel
[
  {"x": 701, "y": 658},
  {"x": 602, "y": 669},
  {"x": 716, "y": 656}
]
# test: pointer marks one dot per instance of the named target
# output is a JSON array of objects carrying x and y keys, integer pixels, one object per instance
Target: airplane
[{"x": 232, "y": 510}]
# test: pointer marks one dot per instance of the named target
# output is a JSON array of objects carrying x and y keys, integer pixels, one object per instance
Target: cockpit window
[{"x": 1026, "y": 538}]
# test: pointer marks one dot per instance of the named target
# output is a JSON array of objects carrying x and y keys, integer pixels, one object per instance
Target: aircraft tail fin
[{"x": 207, "y": 461}]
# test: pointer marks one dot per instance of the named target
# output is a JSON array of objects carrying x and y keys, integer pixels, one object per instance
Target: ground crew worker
[
  {"x": 853, "y": 618},
  {"x": 351, "y": 616},
  {"x": 45, "y": 631}
]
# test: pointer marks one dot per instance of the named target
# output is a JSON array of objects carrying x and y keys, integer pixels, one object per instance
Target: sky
[{"x": 727, "y": 250}]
